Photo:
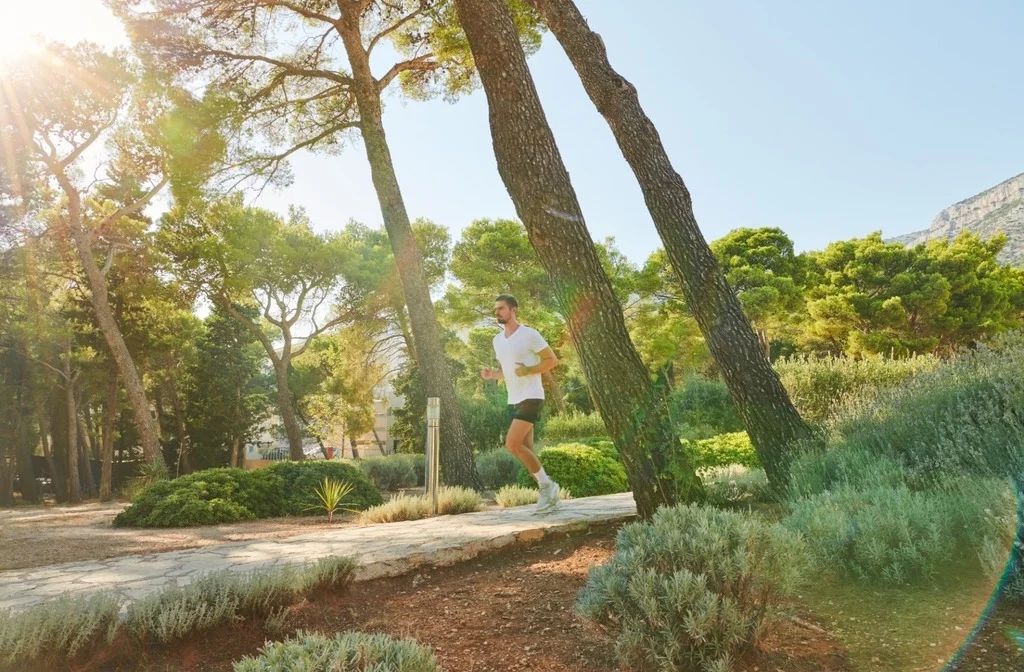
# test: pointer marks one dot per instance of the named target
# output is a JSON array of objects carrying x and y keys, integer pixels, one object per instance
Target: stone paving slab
[{"x": 382, "y": 550}]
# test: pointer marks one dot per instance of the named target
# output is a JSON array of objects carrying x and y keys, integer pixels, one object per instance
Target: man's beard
[{"x": 502, "y": 321}]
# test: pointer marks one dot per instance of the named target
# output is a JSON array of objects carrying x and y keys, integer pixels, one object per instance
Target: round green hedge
[
  {"x": 226, "y": 495},
  {"x": 584, "y": 471},
  {"x": 723, "y": 450},
  {"x": 300, "y": 479}
]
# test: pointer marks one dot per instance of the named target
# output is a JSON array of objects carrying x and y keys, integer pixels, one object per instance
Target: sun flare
[{"x": 25, "y": 25}]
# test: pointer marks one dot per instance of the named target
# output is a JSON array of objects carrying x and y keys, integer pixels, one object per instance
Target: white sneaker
[{"x": 548, "y": 498}]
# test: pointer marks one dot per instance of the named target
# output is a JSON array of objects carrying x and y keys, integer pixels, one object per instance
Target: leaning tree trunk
[
  {"x": 110, "y": 410},
  {"x": 771, "y": 420},
  {"x": 536, "y": 179},
  {"x": 144, "y": 422},
  {"x": 457, "y": 456},
  {"x": 286, "y": 405}
]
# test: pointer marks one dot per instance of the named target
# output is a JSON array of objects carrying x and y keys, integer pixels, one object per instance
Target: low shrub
[
  {"x": 571, "y": 426},
  {"x": 585, "y": 471},
  {"x": 346, "y": 652},
  {"x": 602, "y": 443},
  {"x": 735, "y": 485},
  {"x": 898, "y": 535},
  {"x": 220, "y": 597},
  {"x": 702, "y": 407},
  {"x": 57, "y": 628},
  {"x": 692, "y": 588},
  {"x": 205, "y": 497},
  {"x": 225, "y": 495},
  {"x": 450, "y": 501},
  {"x": 299, "y": 479},
  {"x": 722, "y": 450},
  {"x": 390, "y": 473},
  {"x": 498, "y": 468},
  {"x": 817, "y": 471},
  {"x": 821, "y": 387},
  {"x": 515, "y": 495},
  {"x": 963, "y": 417}
]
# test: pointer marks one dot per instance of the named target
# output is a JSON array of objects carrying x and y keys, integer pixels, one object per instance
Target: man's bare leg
[{"x": 519, "y": 442}]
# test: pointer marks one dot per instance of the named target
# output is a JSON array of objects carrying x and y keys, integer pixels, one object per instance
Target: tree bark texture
[
  {"x": 110, "y": 412},
  {"x": 84, "y": 455},
  {"x": 74, "y": 482},
  {"x": 281, "y": 362},
  {"x": 457, "y": 464},
  {"x": 287, "y": 407},
  {"x": 184, "y": 448},
  {"x": 531, "y": 167},
  {"x": 770, "y": 417},
  {"x": 99, "y": 294},
  {"x": 44, "y": 440}
]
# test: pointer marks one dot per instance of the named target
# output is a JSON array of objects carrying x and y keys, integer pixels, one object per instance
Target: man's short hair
[{"x": 509, "y": 300}]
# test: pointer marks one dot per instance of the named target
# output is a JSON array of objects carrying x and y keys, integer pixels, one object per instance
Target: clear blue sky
[{"x": 829, "y": 120}]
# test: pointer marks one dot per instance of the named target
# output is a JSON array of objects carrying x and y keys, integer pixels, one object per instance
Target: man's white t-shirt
[{"x": 520, "y": 348}]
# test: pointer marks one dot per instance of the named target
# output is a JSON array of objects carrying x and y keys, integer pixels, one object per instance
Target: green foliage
[
  {"x": 485, "y": 418},
  {"x": 331, "y": 496},
  {"x": 498, "y": 468},
  {"x": 961, "y": 418},
  {"x": 735, "y": 485},
  {"x": 572, "y": 426},
  {"x": 585, "y": 471},
  {"x": 392, "y": 472},
  {"x": 226, "y": 397},
  {"x": 57, "y": 628},
  {"x": 722, "y": 450},
  {"x": 867, "y": 296},
  {"x": 299, "y": 478},
  {"x": 895, "y": 534},
  {"x": 345, "y": 652},
  {"x": 509, "y": 496},
  {"x": 177, "y": 612},
  {"x": 692, "y": 588},
  {"x": 816, "y": 471},
  {"x": 450, "y": 501},
  {"x": 702, "y": 407},
  {"x": 226, "y": 495},
  {"x": 766, "y": 274},
  {"x": 820, "y": 387},
  {"x": 203, "y": 498}
]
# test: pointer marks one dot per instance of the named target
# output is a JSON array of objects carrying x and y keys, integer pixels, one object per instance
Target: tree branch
[
  {"x": 131, "y": 208},
  {"x": 318, "y": 332},
  {"x": 312, "y": 73},
  {"x": 424, "y": 5},
  {"x": 422, "y": 63}
]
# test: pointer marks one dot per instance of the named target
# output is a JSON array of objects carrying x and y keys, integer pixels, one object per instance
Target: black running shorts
[{"x": 527, "y": 410}]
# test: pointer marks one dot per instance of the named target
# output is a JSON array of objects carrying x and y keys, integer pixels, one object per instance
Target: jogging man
[{"x": 523, "y": 356}]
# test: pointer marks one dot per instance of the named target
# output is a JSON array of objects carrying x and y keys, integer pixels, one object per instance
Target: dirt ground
[{"x": 509, "y": 611}]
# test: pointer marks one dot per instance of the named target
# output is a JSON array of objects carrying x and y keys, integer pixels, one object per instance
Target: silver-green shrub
[
  {"x": 693, "y": 587},
  {"x": 347, "y": 652}
]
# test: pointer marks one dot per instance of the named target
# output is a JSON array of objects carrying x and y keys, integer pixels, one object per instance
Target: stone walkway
[{"x": 381, "y": 550}]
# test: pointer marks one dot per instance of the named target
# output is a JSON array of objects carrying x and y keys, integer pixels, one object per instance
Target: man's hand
[
  {"x": 488, "y": 374},
  {"x": 523, "y": 369}
]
